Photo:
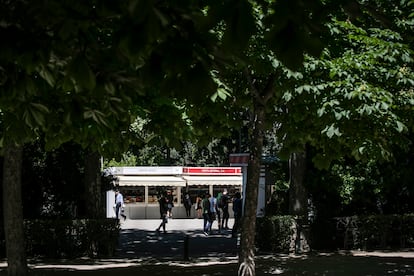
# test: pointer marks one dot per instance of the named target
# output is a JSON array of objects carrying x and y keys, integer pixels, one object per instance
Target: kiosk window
[
  {"x": 195, "y": 191},
  {"x": 134, "y": 194},
  {"x": 231, "y": 190},
  {"x": 154, "y": 192}
]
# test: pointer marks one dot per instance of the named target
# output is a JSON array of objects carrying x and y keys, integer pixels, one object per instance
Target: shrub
[
  {"x": 71, "y": 238},
  {"x": 274, "y": 233},
  {"x": 364, "y": 232}
]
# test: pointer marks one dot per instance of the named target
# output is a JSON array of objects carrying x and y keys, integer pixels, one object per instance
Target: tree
[
  {"x": 89, "y": 64},
  {"x": 368, "y": 84},
  {"x": 49, "y": 88},
  {"x": 72, "y": 71},
  {"x": 13, "y": 211},
  {"x": 258, "y": 89}
]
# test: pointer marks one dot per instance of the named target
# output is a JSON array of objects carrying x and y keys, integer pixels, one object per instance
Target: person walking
[
  {"x": 205, "y": 204},
  {"x": 213, "y": 213},
  {"x": 163, "y": 211},
  {"x": 119, "y": 205},
  {"x": 237, "y": 209},
  {"x": 187, "y": 205},
  {"x": 170, "y": 203}
]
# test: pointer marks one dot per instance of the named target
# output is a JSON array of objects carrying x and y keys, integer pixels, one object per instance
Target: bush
[
  {"x": 71, "y": 238},
  {"x": 385, "y": 231},
  {"x": 274, "y": 233},
  {"x": 364, "y": 232}
]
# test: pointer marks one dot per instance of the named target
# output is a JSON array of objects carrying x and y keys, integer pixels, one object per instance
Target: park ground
[{"x": 185, "y": 250}]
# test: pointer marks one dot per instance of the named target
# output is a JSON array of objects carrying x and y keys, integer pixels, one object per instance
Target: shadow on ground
[
  {"x": 175, "y": 245},
  {"x": 143, "y": 252},
  {"x": 334, "y": 264}
]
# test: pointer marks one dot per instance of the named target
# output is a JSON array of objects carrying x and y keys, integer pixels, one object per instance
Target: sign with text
[{"x": 212, "y": 170}]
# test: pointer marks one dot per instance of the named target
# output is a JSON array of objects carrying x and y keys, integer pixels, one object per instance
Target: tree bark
[
  {"x": 260, "y": 97},
  {"x": 94, "y": 204},
  {"x": 247, "y": 252},
  {"x": 298, "y": 202},
  {"x": 13, "y": 211}
]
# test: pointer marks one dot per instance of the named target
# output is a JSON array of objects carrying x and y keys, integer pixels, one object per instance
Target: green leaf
[
  {"x": 400, "y": 126},
  {"x": 82, "y": 74},
  {"x": 331, "y": 131},
  {"x": 321, "y": 111},
  {"x": 47, "y": 76}
]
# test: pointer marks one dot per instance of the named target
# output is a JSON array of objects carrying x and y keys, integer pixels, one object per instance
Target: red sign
[
  {"x": 239, "y": 158},
  {"x": 212, "y": 170}
]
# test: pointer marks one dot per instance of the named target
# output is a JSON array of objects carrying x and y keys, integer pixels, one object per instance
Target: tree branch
[{"x": 268, "y": 90}]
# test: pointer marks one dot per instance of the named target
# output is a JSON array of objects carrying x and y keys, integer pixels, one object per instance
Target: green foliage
[
  {"x": 356, "y": 100},
  {"x": 352, "y": 187},
  {"x": 292, "y": 27},
  {"x": 376, "y": 232},
  {"x": 127, "y": 159},
  {"x": 71, "y": 238},
  {"x": 274, "y": 233}
]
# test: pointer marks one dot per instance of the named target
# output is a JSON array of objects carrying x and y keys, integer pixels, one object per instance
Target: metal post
[{"x": 186, "y": 241}]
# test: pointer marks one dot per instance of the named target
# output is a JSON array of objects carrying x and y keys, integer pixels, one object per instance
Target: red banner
[{"x": 212, "y": 170}]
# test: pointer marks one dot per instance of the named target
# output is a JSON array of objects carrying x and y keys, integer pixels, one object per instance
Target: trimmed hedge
[
  {"x": 274, "y": 233},
  {"x": 70, "y": 238},
  {"x": 376, "y": 231}
]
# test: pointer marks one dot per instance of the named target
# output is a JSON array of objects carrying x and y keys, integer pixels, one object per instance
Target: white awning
[
  {"x": 150, "y": 181},
  {"x": 213, "y": 180}
]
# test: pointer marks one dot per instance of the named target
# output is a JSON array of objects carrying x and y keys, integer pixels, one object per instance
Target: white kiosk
[{"x": 141, "y": 187}]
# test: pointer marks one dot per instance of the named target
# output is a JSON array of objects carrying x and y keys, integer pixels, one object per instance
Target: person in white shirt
[{"x": 119, "y": 203}]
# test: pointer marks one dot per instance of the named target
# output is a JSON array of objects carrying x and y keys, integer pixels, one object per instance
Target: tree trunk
[
  {"x": 298, "y": 202},
  {"x": 247, "y": 251},
  {"x": 94, "y": 205},
  {"x": 13, "y": 211}
]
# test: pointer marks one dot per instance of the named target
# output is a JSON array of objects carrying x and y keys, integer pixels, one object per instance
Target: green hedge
[
  {"x": 274, "y": 233},
  {"x": 376, "y": 231},
  {"x": 70, "y": 238}
]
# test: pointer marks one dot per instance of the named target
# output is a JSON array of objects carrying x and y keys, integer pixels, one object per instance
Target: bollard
[{"x": 186, "y": 241}]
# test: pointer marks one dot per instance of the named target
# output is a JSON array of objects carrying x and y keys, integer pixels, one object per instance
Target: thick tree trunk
[
  {"x": 13, "y": 211},
  {"x": 94, "y": 204},
  {"x": 298, "y": 202},
  {"x": 247, "y": 252}
]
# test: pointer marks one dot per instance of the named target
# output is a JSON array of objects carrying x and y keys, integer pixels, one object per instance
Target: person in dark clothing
[
  {"x": 170, "y": 203},
  {"x": 237, "y": 209},
  {"x": 187, "y": 205},
  {"x": 163, "y": 211},
  {"x": 205, "y": 204},
  {"x": 225, "y": 209}
]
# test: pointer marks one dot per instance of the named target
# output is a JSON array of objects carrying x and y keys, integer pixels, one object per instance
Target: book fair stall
[{"x": 141, "y": 187}]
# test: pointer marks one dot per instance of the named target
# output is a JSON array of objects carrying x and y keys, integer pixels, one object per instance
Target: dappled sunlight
[
  {"x": 175, "y": 245},
  {"x": 146, "y": 252},
  {"x": 339, "y": 263},
  {"x": 342, "y": 263}
]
